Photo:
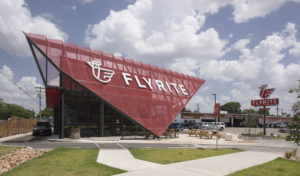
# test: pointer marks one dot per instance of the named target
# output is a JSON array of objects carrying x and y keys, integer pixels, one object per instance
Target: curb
[{"x": 3, "y": 139}]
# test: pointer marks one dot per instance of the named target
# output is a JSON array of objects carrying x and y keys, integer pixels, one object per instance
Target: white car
[
  {"x": 220, "y": 125},
  {"x": 204, "y": 125}
]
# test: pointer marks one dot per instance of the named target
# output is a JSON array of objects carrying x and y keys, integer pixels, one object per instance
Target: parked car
[
  {"x": 188, "y": 124},
  {"x": 42, "y": 128},
  {"x": 262, "y": 125},
  {"x": 219, "y": 125},
  {"x": 177, "y": 126},
  {"x": 204, "y": 124},
  {"x": 210, "y": 127},
  {"x": 282, "y": 125},
  {"x": 272, "y": 125}
]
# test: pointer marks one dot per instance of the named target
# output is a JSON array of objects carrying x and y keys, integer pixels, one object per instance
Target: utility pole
[
  {"x": 39, "y": 95},
  {"x": 281, "y": 112},
  {"x": 215, "y": 95},
  {"x": 265, "y": 121},
  {"x": 277, "y": 109},
  {"x": 198, "y": 107}
]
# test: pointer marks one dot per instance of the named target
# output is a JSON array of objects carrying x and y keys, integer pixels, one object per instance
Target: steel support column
[{"x": 62, "y": 108}]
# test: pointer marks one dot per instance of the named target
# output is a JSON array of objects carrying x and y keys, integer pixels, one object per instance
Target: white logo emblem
[{"x": 107, "y": 74}]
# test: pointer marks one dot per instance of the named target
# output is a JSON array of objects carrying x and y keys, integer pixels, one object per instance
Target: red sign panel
[
  {"x": 216, "y": 109},
  {"x": 265, "y": 93},
  {"x": 264, "y": 109},
  {"x": 265, "y": 102},
  {"x": 149, "y": 95}
]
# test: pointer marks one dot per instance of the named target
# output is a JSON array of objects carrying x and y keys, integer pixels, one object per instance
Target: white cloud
[
  {"x": 157, "y": 32},
  {"x": 295, "y": 50},
  {"x": 185, "y": 65},
  {"x": 74, "y": 7},
  {"x": 15, "y": 18},
  {"x": 259, "y": 65},
  {"x": 206, "y": 104},
  {"x": 12, "y": 94},
  {"x": 7, "y": 72},
  {"x": 204, "y": 88},
  {"x": 83, "y": 2},
  {"x": 263, "y": 61},
  {"x": 225, "y": 98},
  {"x": 171, "y": 34},
  {"x": 242, "y": 85},
  {"x": 244, "y": 10}
]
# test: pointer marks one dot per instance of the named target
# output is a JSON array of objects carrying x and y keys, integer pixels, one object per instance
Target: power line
[
  {"x": 17, "y": 64},
  {"x": 16, "y": 41},
  {"x": 18, "y": 87}
]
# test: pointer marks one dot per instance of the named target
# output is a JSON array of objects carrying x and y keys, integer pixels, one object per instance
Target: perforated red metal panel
[
  {"x": 52, "y": 98},
  {"x": 152, "y": 97}
]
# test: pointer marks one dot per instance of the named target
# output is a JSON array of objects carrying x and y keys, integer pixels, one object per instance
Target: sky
[{"x": 235, "y": 45}]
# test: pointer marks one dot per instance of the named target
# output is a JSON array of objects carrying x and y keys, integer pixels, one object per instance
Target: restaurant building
[{"x": 107, "y": 95}]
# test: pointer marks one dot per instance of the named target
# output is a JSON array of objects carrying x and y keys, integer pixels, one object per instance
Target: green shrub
[
  {"x": 261, "y": 133},
  {"x": 294, "y": 152},
  {"x": 288, "y": 154}
]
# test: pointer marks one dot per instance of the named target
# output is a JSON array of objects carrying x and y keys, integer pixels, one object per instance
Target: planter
[{"x": 75, "y": 133}]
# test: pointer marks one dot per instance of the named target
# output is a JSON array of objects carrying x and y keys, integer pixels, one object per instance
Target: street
[{"x": 42, "y": 142}]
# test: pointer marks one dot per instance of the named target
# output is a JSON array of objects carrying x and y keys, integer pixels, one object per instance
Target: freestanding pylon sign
[{"x": 264, "y": 94}]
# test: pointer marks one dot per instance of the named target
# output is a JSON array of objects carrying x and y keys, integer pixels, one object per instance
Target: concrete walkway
[
  {"x": 122, "y": 159},
  {"x": 212, "y": 166}
]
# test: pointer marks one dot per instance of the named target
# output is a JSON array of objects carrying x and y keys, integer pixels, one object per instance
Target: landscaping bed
[{"x": 12, "y": 157}]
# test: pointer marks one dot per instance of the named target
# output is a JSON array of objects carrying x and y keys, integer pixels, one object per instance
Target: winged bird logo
[
  {"x": 101, "y": 74},
  {"x": 265, "y": 93}
]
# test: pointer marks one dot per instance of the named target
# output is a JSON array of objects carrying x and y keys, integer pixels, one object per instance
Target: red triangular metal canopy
[{"x": 149, "y": 95}]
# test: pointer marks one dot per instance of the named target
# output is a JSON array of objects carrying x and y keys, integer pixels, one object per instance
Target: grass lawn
[
  {"x": 66, "y": 162},
  {"x": 6, "y": 149},
  {"x": 277, "y": 167},
  {"x": 173, "y": 155},
  {"x": 280, "y": 138}
]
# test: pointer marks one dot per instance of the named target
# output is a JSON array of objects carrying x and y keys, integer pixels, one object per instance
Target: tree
[
  {"x": 294, "y": 127},
  {"x": 47, "y": 112},
  {"x": 4, "y": 112},
  {"x": 296, "y": 106},
  {"x": 185, "y": 110},
  {"x": 7, "y": 110},
  {"x": 262, "y": 112},
  {"x": 249, "y": 111},
  {"x": 231, "y": 107},
  {"x": 294, "y": 130}
]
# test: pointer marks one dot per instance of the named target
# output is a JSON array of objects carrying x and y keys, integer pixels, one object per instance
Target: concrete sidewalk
[
  {"x": 122, "y": 159},
  {"x": 212, "y": 166}
]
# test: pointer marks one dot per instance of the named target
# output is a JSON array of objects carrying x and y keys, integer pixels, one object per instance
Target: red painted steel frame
[{"x": 153, "y": 109}]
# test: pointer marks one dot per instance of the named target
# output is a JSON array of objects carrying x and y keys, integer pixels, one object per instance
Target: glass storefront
[{"x": 82, "y": 110}]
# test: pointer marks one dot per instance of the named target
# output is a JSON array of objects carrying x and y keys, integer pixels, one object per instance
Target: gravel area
[{"x": 14, "y": 158}]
